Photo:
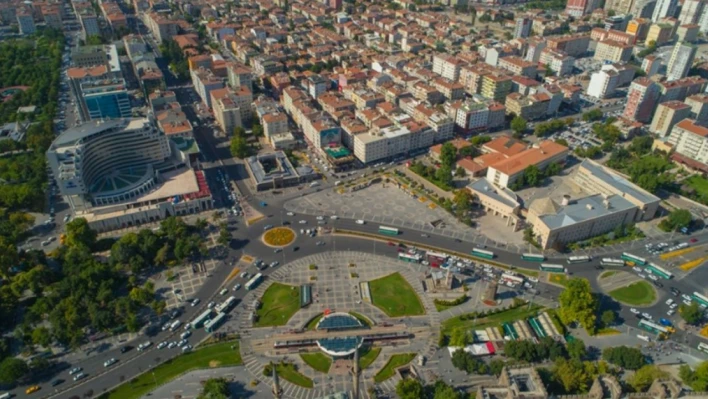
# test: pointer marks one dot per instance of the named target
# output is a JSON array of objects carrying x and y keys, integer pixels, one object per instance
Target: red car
[
  {"x": 400, "y": 249},
  {"x": 693, "y": 240},
  {"x": 391, "y": 244}
]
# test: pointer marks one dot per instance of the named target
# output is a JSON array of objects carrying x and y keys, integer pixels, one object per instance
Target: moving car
[
  {"x": 109, "y": 362},
  {"x": 32, "y": 389}
]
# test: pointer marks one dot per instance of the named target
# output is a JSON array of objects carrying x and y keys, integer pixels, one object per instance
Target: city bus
[
  {"x": 634, "y": 259},
  {"x": 611, "y": 262},
  {"x": 227, "y": 305},
  {"x": 702, "y": 300},
  {"x": 389, "y": 231},
  {"x": 215, "y": 323},
  {"x": 201, "y": 319},
  {"x": 578, "y": 259},
  {"x": 533, "y": 257},
  {"x": 703, "y": 347},
  {"x": 547, "y": 267},
  {"x": 480, "y": 253},
  {"x": 652, "y": 327},
  {"x": 658, "y": 271},
  {"x": 253, "y": 283},
  {"x": 506, "y": 277},
  {"x": 408, "y": 257}
]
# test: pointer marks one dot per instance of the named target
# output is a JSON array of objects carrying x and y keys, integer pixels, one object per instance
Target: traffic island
[
  {"x": 278, "y": 237},
  {"x": 395, "y": 297},
  {"x": 639, "y": 293},
  {"x": 278, "y": 304}
]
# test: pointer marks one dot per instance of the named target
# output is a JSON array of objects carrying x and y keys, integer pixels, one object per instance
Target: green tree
[
  {"x": 42, "y": 337},
  {"x": 562, "y": 142},
  {"x": 410, "y": 388},
  {"x": 215, "y": 388},
  {"x": 518, "y": 124},
  {"x": 12, "y": 369},
  {"x": 576, "y": 349},
  {"x": 444, "y": 176},
  {"x": 577, "y": 303},
  {"x": 95, "y": 40},
  {"x": 444, "y": 391},
  {"x": 460, "y": 172},
  {"x": 239, "y": 147},
  {"x": 642, "y": 378},
  {"x": 78, "y": 233},
  {"x": 692, "y": 314},
  {"x": 593, "y": 115},
  {"x": 463, "y": 200},
  {"x": 224, "y": 234},
  {"x": 257, "y": 130},
  {"x": 460, "y": 337},
  {"x": 608, "y": 317},
  {"x": 641, "y": 145},
  {"x": 533, "y": 176},
  {"x": 697, "y": 379},
  {"x": 677, "y": 219},
  {"x": 448, "y": 155},
  {"x": 478, "y": 141},
  {"x": 624, "y": 356}
]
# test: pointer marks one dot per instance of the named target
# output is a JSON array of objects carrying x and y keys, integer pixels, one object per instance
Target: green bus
[
  {"x": 634, "y": 259},
  {"x": 216, "y": 322},
  {"x": 480, "y": 253},
  {"x": 389, "y": 231},
  {"x": 533, "y": 257},
  {"x": 547, "y": 267},
  {"x": 661, "y": 272}
]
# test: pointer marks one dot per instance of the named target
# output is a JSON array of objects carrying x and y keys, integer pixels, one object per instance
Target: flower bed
[{"x": 279, "y": 236}]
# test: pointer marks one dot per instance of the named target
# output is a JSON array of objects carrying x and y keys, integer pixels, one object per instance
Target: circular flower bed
[{"x": 279, "y": 236}]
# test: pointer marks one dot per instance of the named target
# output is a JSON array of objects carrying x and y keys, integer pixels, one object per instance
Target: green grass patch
[
  {"x": 217, "y": 355},
  {"x": 639, "y": 294},
  {"x": 558, "y": 278},
  {"x": 395, "y": 297},
  {"x": 363, "y": 319},
  {"x": 699, "y": 184},
  {"x": 394, "y": 362},
  {"x": 555, "y": 319},
  {"x": 313, "y": 323},
  {"x": 288, "y": 372},
  {"x": 527, "y": 272},
  {"x": 608, "y": 274},
  {"x": 494, "y": 320},
  {"x": 279, "y": 303},
  {"x": 442, "y": 305},
  {"x": 318, "y": 361},
  {"x": 369, "y": 356},
  {"x": 607, "y": 331}
]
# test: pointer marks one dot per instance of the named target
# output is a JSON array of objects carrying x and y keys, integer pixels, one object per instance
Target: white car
[
  {"x": 290, "y": 214},
  {"x": 637, "y": 269},
  {"x": 686, "y": 297},
  {"x": 688, "y": 303},
  {"x": 109, "y": 362},
  {"x": 171, "y": 345},
  {"x": 333, "y": 217},
  {"x": 647, "y": 316},
  {"x": 79, "y": 376},
  {"x": 642, "y": 275},
  {"x": 669, "y": 301},
  {"x": 633, "y": 310},
  {"x": 673, "y": 306},
  {"x": 303, "y": 222},
  {"x": 162, "y": 345},
  {"x": 223, "y": 291},
  {"x": 653, "y": 277},
  {"x": 320, "y": 217},
  {"x": 360, "y": 222},
  {"x": 670, "y": 312},
  {"x": 211, "y": 304},
  {"x": 75, "y": 370},
  {"x": 237, "y": 287},
  {"x": 196, "y": 301}
]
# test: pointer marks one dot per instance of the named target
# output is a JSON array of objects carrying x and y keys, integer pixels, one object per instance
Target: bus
[
  {"x": 659, "y": 271},
  {"x": 578, "y": 259},
  {"x": 702, "y": 300},
  {"x": 652, "y": 327},
  {"x": 547, "y": 267},
  {"x": 389, "y": 231},
  {"x": 201, "y": 319},
  {"x": 253, "y": 283},
  {"x": 611, "y": 262},
  {"x": 409, "y": 258},
  {"x": 215, "y": 323},
  {"x": 506, "y": 277},
  {"x": 227, "y": 305},
  {"x": 480, "y": 253},
  {"x": 436, "y": 258},
  {"x": 703, "y": 347},
  {"x": 533, "y": 257},
  {"x": 634, "y": 259}
]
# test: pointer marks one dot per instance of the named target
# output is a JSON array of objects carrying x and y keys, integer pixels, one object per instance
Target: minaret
[
  {"x": 355, "y": 372},
  {"x": 277, "y": 390}
]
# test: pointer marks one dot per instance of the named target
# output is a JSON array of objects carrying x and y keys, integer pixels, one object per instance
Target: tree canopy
[
  {"x": 518, "y": 124},
  {"x": 577, "y": 303},
  {"x": 625, "y": 357}
]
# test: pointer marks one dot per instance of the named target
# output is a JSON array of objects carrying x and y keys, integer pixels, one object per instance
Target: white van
[{"x": 359, "y": 221}]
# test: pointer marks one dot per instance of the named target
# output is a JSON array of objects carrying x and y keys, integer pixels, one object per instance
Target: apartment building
[
  {"x": 204, "y": 82},
  {"x": 25, "y": 21},
  {"x": 613, "y": 51},
  {"x": 450, "y": 90},
  {"x": 603, "y": 83},
  {"x": 660, "y": 33},
  {"x": 691, "y": 11},
  {"x": 376, "y": 145},
  {"x": 642, "y": 97},
  {"x": 663, "y": 9},
  {"x": 522, "y": 27},
  {"x": 681, "y": 61},
  {"x": 506, "y": 172},
  {"x": 518, "y": 66},
  {"x": 87, "y": 56},
  {"x": 530, "y": 107},
  {"x": 639, "y": 28},
  {"x": 275, "y": 124},
  {"x": 690, "y": 140},
  {"x": 682, "y": 88},
  {"x": 573, "y": 45},
  {"x": 496, "y": 86},
  {"x": 651, "y": 65},
  {"x": 667, "y": 115},
  {"x": 447, "y": 66},
  {"x": 161, "y": 27},
  {"x": 561, "y": 64},
  {"x": 240, "y": 75},
  {"x": 476, "y": 114},
  {"x": 699, "y": 108}
]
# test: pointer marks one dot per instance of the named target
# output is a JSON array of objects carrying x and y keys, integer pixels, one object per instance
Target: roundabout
[{"x": 279, "y": 237}]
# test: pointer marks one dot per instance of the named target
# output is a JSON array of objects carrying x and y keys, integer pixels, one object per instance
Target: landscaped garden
[
  {"x": 368, "y": 356},
  {"x": 217, "y": 355},
  {"x": 318, "y": 361},
  {"x": 288, "y": 372},
  {"x": 640, "y": 293},
  {"x": 278, "y": 304},
  {"x": 481, "y": 322},
  {"x": 279, "y": 236},
  {"x": 393, "y": 363},
  {"x": 395, "y": 297}
]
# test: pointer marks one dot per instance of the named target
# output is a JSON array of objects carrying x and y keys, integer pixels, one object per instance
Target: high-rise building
[
  {"x": 664, "y": 8},
  {"x": 667, "y": 115},
  {"x": 641, "y": 100},
  {"x": 619, "y": 6},
  {"x": 691, "y": 11},
  {"x": 578, "y": 8},
  {"x": 25, "y": 20},
  {"x": 523, "y": 27},
  {"x": 105, "y": 100},
  {"x": 603, "y": 82},
  {"x": 690, "y": 140},
  {"x": 699, "y": 107},
  {"x": 681, "y": 61}
]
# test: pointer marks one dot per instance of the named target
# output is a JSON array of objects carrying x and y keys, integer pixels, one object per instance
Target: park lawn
[
  {"x": 393, "y": 363},
  {"x": 699, "y": 184},
  {"x": 318, "y": 361},
  {"x": 279, "y": 303},
  {"x": 395, "y": 297},
  {"x": 363, "y": 319},
  {"x": 608, "y": 274},
  {"x": 639, "y": 294},
  {"x": 368, "y": 357},
  {"x": 217, "y": 355},
  {"x": 313, "y": 323},
  {"x": 494, "y": 320},
  {"x": 289, "y": 373}
]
